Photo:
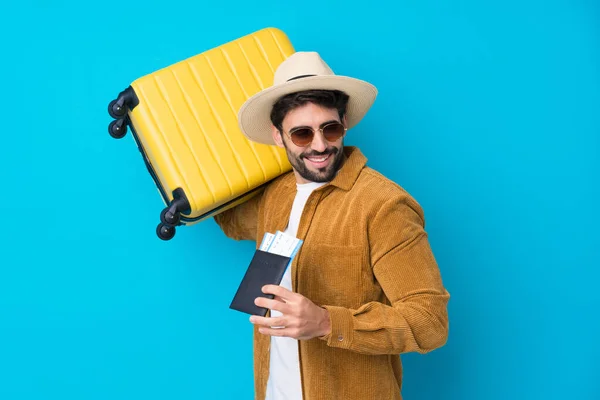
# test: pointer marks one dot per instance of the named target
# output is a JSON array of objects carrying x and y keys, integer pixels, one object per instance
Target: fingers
[
  {"x": 268, "y": 321},
  {"x": 272, "y": 304},
  {"x": 287, "y": 332},
  {"x": 301, "y": 319},
  {"x": 279, "y": 291}
]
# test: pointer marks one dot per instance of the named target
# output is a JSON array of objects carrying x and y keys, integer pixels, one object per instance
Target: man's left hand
[{"x": 301, "y": 318}]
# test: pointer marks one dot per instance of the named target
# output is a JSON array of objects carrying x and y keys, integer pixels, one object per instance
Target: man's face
[{"x": 320, "y": 160}]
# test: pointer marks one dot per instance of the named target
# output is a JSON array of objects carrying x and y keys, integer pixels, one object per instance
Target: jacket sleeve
[
  {"x": 416, "y": 319},
  {"x": 241, "y": 222}
]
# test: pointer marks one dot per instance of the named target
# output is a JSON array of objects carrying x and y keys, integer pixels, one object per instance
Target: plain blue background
[{"x": 488, "y": 114}]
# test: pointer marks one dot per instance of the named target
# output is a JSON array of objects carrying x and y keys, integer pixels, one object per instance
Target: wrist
[{"x": 325, "y": 323}]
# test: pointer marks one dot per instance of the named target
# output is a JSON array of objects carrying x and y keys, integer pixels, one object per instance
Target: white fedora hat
[{"x": 302, "y": 71}]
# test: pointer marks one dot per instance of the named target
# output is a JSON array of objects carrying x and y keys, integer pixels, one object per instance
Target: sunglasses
[{"x": 304, "y": 136}]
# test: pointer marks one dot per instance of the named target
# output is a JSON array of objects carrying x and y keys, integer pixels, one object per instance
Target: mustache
[{"x": 332, "y": 150}]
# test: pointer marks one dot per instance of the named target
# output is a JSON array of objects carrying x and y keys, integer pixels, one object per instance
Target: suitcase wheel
[
  {"x": 169, "y": 217},
  {"x": 116, "y": 110},
  {"x": 127, "y": 99},
  {"x": 117, "y": 128},
  {"x": 165, "y": 232}
]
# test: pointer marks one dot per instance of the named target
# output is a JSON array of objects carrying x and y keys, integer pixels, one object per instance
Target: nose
[{"x": 319, "y": 142}]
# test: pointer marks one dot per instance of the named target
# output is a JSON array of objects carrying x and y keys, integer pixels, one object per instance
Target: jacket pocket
[{"x": 334, "y": 275}]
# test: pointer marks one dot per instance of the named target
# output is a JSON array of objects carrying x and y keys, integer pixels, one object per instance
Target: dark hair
[{"x": 325, "y": 98}]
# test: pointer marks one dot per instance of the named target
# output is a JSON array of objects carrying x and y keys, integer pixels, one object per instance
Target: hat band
[{"x": 298, "y": 77}]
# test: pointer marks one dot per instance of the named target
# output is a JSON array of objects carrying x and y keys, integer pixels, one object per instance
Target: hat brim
[{"x": 254, "y": 117}]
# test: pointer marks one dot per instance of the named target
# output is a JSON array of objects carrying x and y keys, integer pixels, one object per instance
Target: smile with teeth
[{"x": 319, "y": 161}]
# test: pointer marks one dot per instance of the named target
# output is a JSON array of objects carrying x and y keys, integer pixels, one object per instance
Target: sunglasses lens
[
  {"x": 302, "y": 137},
  {"x": 333, "y": 132}
]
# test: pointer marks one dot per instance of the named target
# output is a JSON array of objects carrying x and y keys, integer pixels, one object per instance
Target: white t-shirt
[{"x": 284, "y": 372}]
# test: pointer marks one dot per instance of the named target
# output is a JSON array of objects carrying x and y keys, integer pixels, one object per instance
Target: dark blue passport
[{"x": 264, "y": 269}]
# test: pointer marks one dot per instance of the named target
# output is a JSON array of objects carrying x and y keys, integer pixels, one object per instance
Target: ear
[
  {"x": 276, "y": 136},
  {"x": 345, "y": 121}
]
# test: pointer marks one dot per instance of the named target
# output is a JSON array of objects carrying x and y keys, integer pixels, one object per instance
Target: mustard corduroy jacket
[{"x": 367, "y": 260}]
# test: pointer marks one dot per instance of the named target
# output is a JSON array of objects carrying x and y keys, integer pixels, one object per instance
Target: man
[{"x": 364, "y": 287}]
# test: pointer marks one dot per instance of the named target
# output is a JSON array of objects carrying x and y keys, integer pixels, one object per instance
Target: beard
[{"x": 325, "y": 174}]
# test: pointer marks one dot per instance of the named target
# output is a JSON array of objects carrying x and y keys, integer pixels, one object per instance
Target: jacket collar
[{"x": 347, "y": 175}]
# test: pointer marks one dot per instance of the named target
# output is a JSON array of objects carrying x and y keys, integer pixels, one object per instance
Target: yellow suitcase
[{"x": 183, "y": 119}]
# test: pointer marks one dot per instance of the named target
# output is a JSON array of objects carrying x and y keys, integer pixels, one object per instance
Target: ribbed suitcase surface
[{"x": 186, "y": 121}]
